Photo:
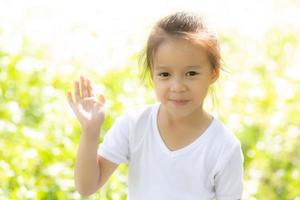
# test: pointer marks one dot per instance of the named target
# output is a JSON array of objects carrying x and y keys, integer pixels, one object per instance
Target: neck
[{"x": 189, "y": 120}]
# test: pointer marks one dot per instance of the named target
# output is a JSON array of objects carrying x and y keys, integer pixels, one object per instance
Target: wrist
[{"x": 90, "y": 134}]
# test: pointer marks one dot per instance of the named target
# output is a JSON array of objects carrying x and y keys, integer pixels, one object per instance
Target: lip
[{"x": 179, "y": 102}]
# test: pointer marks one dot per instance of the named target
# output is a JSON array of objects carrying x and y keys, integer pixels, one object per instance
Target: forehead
[{"x": 179, "y": 52}]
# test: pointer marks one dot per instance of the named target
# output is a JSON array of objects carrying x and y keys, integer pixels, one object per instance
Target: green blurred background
[{"x": 46, "y": 45}]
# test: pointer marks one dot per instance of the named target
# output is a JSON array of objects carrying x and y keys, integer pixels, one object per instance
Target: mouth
[{"x": 179, "y": 102}]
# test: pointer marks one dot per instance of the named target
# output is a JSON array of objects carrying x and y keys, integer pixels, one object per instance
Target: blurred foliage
[
  {"x": 261, "y": 106},
  {"x": 257, "y": 97}
]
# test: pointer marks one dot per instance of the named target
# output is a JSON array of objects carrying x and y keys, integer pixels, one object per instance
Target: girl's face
[{"x": 181, "y": 75}]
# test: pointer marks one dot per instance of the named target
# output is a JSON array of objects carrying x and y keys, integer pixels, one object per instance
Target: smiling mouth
[{"x": 179, "y": 102}]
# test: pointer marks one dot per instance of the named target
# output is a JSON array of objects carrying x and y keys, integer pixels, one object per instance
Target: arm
[{"x": 91, "y": 172}]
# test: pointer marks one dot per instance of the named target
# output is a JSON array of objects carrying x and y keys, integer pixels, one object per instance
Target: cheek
[
  {"x": 160, "y": 89},
  {"x": 199, "y": 88},
  {"x": 159, "y": 94},
  {"x": 157, "y": 83}
]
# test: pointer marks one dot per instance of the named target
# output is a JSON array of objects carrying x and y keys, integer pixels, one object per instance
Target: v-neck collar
[{"x": 184, "y": 149}]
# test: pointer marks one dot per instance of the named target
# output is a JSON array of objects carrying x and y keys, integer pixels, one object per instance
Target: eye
[
  {"x": 192, "y": 73},
  {"x": 164, "y": 74}
]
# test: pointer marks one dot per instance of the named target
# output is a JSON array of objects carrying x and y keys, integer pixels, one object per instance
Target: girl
[{"x": 174, "y": 148}]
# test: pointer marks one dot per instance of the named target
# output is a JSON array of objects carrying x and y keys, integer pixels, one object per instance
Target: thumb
[
  {"x": 101, "y": 99},
  {"x": 99, "y": 108}
]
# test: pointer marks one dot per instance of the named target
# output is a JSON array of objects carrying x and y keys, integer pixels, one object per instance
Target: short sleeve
[
  {"x": 115, "y": 144},
  {"x": 229, "y": 180}
]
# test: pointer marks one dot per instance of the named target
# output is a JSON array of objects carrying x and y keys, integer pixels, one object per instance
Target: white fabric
[{"x": 208, "y": 168}]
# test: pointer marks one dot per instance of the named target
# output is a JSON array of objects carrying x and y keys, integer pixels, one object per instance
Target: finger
[
  {"x": 70, "y": 99},
  {"x": 90, "y": 89},
  {"x": 71, "y": 102},
  {"x": 77, "y": 92},
  {"x": 99, "y": 106},
  {"x": 83, "y": 87},
  {"x": 101, "y": 99}
]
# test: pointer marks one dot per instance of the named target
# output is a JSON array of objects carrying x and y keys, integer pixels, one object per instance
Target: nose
[{"x": 178, "y": 85}]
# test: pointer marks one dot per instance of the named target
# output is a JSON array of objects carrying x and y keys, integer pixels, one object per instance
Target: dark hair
[{"x": 182, "y": 25}]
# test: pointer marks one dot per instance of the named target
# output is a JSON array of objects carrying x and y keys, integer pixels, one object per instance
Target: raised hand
[{"x": 88, "y": 108}]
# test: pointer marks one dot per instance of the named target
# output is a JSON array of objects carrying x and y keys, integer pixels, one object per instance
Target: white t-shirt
[{"x": 208, "y": 168}]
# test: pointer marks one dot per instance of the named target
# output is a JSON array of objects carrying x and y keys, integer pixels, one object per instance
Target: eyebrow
[{"x": 189, "y": 66}]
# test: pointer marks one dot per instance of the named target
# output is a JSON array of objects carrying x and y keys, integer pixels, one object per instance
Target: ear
[{"x": 215, "y": 73}]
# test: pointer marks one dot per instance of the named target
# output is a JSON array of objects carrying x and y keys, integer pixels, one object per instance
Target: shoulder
[
  {"x": 141, "y": 113},
  {"x": 133, "y": 117},
  {"x": 225, "y": 144},
  {"x": 224, "y": 137},
  {"x": 140, "y": 123}
]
